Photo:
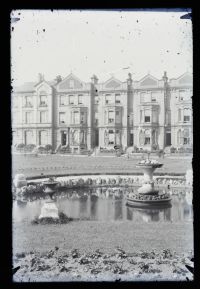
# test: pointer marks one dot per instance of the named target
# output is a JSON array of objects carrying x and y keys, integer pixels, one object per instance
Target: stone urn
[
  {"x": 148, "y": 167},
  {"x": 147, "y": 195},
  {"x": 49, "y": 209}
]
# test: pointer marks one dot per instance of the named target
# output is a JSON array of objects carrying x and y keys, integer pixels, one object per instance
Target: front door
[
  {"x": 63, "y": 138},
  {"x": 168, "y": 139}
]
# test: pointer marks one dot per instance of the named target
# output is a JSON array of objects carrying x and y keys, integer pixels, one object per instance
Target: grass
[
  {"x": 92, "y": 235},
  {"x": 56, "y": 164}
]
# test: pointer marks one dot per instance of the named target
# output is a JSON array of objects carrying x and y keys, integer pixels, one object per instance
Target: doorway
[{"x": 168, "y": 138}]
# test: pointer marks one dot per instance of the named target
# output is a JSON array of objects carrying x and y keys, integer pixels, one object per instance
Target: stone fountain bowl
[{"x": 149, "y": 203}]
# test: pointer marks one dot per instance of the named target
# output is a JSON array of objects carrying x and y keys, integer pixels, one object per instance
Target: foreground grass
[
  {"x": 102, "y": 251},
  {"x": 92, "y": 235},
  {"x": 55, "y": 164}
]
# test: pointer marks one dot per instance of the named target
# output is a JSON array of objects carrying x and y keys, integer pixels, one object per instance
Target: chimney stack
[
  {"x": 94, "y": 79},
  {"x": 40, "y": 77},
  {"x": 129, "y": 80}
]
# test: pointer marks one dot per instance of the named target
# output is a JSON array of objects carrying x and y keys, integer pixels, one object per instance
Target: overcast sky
[{"x": 99, "y": 42}]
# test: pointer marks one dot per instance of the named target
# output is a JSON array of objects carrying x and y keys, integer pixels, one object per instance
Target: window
[
  {"x": 80, "y": 99},
  {"x": 111, "y": 117},
  {"x": 43, "y": 100},
  {"x": 109, "y": 99},
  {"x": 147, "y": 116},
  {"x": 28, "y": 101},
  {"x": 147, "y": 140},
  {"x": 76, "y": 117},
  {"x": 145, "y": 97},
  {"x": 118, "y": 138},
  {"x": 43, "y": 116},
  {"x": 15, "y": 117},
  {"x": 111, "y": 139},
  {"x": 71, "y": 99},
  {"x": 117, "y": 98},
  {"x": 186, "y": 116},
  {"x": 63, "y": 100},
  {"x": 28, "y": 117},
  {"x": 186, "y": 137},
  {"x": 62, "y": 117},
  {"x": 71, "y": 83},
  {"x": 82, "y": 117},
  {"x": 153, "y": 96},
  {"x": 118, "y": 120}
]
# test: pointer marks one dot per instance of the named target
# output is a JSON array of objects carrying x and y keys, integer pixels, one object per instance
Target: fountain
[
  {"x": 49, "y": 209},
  {"x": 147, "y": 195}
]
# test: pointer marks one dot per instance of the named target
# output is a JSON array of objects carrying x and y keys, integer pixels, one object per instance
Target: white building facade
[{"x": 148, "y": 114}]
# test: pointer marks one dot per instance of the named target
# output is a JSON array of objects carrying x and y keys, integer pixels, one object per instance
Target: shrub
[
  {"x": 48, "y": 148},
  {"x": 30, "y": 147},
  {"x": 20, "y": 146},
  {"x": 172, "y": 149}
]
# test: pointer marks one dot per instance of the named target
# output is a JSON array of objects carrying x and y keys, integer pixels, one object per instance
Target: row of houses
[{"x": 150, "y": 113}]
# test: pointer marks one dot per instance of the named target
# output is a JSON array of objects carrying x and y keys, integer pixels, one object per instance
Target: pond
[{"x": 107, "y": 204}]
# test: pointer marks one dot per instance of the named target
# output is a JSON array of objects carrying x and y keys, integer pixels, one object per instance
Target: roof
[{"x": 30, "y": 86}]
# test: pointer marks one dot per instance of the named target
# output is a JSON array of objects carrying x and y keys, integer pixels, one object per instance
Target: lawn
[
  {"x": 90, "y": 235},
  {"x": 57, "y": 164}
]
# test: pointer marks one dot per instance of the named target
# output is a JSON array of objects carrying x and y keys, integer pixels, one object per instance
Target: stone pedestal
[{"x": 49, "y": 210}]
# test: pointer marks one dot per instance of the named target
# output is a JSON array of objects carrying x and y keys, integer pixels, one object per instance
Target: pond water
[{"x": 107, "y": 204}]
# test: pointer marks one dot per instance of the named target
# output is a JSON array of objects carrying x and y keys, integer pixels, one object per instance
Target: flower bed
[{"x": 34, "y": 188}]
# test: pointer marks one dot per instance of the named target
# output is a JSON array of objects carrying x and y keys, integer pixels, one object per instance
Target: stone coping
[{"x": 160, "y": 175}]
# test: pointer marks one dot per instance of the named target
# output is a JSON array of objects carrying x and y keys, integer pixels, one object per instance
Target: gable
[
  {"x": 148, "y": 81},
  {"x": 185, "y": 79},
  {"x": 43, "y": 86},
  {"x": 112, "y": 84},
  {"x": 70, "y": 82}
]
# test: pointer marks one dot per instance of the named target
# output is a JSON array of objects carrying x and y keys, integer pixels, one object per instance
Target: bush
[
  {"x": 172, "y": 149},
  {"x": 30, "y": 147},
  {"x": 48, "y": 148},
  {"x": 20, "y": 146}
]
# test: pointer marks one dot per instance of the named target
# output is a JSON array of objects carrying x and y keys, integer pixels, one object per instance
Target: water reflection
[{"x": 107, "y": 204}]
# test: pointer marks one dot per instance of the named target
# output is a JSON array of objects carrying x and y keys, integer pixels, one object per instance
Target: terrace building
[{"x": 150, "y": 113}]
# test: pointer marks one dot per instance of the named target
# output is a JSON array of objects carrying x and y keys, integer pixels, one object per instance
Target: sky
[{"x": 105, "y": 43}]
